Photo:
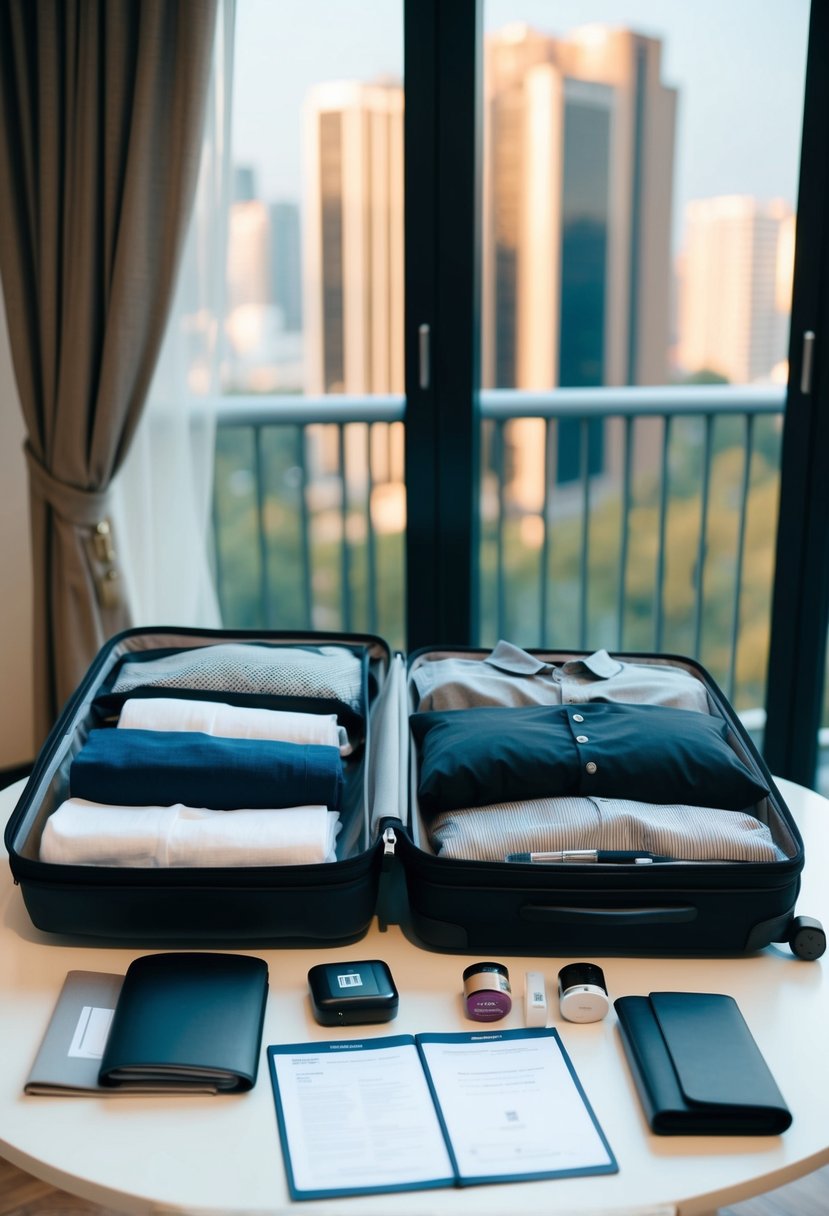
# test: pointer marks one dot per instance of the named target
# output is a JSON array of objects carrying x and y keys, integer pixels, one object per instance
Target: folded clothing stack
[
  {"x": 676, "y": 830},
  {"x": 494, "y": 781},
  {"x": 201, "y": 783}
]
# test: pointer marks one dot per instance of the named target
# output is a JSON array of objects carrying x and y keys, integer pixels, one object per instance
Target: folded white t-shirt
[
  {"x": 232, "y": 721},
  {"x": 149, "y": 837}
]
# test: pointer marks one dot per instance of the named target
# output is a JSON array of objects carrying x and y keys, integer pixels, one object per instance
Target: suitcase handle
[{"x": 608, "y": 916}]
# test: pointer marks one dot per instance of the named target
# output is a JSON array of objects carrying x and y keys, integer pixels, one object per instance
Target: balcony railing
[{"x": 658, "y": 534}]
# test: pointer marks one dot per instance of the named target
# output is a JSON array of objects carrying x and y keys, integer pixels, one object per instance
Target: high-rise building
[
  {"x": 354, "y": 238},
  {"x": 735, "y": 287},
  {"x": 244, "y": 183},
  {"x": 353, "y": 297},
  {"x": 578, "y": 168},
  {"x": 286, "y": 263},
  {"x": 248, "y": 279}
]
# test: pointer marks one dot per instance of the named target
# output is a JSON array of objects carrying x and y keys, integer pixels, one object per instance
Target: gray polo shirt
[{"x": 510, "y": 676}]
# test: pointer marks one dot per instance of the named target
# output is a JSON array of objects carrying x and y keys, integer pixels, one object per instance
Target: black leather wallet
[
  {"x": 698, "y": 1070},
  {"x": 188, "y": 1021}
]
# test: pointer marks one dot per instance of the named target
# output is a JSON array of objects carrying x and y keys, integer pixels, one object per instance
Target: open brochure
[{"x": 408, "y": 1112}]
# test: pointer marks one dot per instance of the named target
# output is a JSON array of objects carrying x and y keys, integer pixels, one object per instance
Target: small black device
[{"x": 351, "y": 994}]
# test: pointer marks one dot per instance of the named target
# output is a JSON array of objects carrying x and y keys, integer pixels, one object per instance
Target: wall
[{"x": 16, "y": 712}]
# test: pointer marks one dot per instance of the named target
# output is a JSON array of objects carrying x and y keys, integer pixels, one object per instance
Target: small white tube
[{"x": 535, "y": 999}]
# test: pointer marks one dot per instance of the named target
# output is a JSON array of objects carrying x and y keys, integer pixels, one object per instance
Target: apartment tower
[
  {"x": 578, "y": 168},
  {"x": 353, "y": 254},
  {"x": 735, "y": 287}
]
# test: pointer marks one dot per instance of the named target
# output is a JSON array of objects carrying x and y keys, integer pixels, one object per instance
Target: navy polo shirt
[{"x": 648, "y": 753}]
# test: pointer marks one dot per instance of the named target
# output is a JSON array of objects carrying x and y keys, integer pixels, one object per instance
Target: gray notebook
[{"x": 69, "y": 1058}]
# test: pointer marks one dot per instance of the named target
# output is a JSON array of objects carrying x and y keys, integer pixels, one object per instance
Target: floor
[{"x": 22, "y": 1195}]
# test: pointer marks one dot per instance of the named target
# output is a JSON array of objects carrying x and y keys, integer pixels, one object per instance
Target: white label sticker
[
  {"x": 89, "y": 1039},
  {"x": 352, "y": 980}
]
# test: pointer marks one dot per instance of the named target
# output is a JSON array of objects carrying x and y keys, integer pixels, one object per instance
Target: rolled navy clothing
[{"x": 161, "y": 768}]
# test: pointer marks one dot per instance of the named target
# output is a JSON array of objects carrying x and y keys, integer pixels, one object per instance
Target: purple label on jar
[{"x": 487, "y": 1005}]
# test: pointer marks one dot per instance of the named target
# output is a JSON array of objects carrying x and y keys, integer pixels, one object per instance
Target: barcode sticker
[{"x": 351, "y": 979}]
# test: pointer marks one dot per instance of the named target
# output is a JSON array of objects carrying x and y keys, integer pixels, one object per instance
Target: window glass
[
  {"x": 638, "y": 197},
  {"x": 641, "y": 189},
  {"x": 310, "y": 502}
]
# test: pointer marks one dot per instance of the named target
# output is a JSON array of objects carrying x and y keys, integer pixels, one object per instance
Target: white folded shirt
[
  {"x": 150, "y": 837},
  {"x": 232, "y": 721}
]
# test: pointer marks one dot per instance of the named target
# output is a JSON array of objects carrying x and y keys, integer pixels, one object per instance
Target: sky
[{"x": 738, "y": 64}]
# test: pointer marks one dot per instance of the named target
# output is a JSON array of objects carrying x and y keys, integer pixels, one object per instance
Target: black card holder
[
  {"x": 188, "y": 1020},
  {"x": 697, "y": 1068}
]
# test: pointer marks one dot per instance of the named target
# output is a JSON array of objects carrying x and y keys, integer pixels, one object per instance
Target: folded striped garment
[
  {"x": 332, "y": 672},
  {"x": 686, "y": 833},
  {"x": 86, "y": 833}
]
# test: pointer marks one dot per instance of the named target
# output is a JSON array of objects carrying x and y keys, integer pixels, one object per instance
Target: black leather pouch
[{"x": 698, "y": 1070}]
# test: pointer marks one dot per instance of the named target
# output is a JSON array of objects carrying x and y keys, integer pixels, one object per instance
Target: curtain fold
[
  {"x": 162, "y": 498},
  {"x": 101, "y": 112}
]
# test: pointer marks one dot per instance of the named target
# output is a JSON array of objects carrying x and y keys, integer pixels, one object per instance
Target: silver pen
[{"x": 636, "y": 857}]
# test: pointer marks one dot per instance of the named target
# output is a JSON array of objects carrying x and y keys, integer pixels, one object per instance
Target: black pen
[{"x": 637, "y": 857}]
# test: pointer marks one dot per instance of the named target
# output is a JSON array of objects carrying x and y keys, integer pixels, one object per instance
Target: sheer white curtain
[{"x": 163, "y": 495}]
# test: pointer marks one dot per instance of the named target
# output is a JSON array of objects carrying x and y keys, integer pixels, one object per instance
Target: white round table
[{"x": 221, "y": 1154}]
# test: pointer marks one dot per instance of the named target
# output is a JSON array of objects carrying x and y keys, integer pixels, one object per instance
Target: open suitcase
[{"x": 389, "y": 859}]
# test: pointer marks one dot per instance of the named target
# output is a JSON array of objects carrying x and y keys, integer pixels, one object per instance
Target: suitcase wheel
[{"x": 807, "y": 937}]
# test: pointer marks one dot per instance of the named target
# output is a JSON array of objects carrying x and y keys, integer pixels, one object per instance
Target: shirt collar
[
  {"x": 517, "y": 662},
  {"x": 509, "y": 658},
  {"x": 598, "y": 664}
]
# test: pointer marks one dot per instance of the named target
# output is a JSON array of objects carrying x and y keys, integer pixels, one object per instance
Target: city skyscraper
[
  {"x": 577, "y": 204},
  {"x": 354, "y": 238},
  {"x": 735, "y": 287},
  {"x": 354, "y": 260},
  {"x": 286, "y": 263},
  {"x": 578, "y": 167}
]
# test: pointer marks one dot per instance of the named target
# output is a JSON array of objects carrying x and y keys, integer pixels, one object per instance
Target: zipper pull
[{"x": 389, "y": 842}]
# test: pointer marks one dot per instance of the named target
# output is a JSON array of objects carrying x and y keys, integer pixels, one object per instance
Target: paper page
[
  {"x": 512, "y": 1106},
  {"x": 357, "y": 1116}
]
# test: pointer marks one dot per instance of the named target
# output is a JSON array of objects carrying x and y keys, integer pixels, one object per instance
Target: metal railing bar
[
  {"x": 295, "y": 409},
  {"x": 304, "y": 522},
  {"x": 498, "y": 462},
  {"x": 584, "y": 473},
  {"x": 505, "y": 404},
  {"x": 345, "y": 555},
  {"x": 739, "y": 557},
  {"x": 659, "y": 580},
  {"x": 259, "y": 476},
  {"x": 544, "y": 558},
  {"x": 371, "y": 550},
  {"x": 632, "y": 401},
  {"x": 702, "y": 549},
  {"x": 624, "y": 525},
  {"x": 216, "y": 549}
]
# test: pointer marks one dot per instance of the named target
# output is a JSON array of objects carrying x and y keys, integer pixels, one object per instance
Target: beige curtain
[{"x": 101, "y": 110}]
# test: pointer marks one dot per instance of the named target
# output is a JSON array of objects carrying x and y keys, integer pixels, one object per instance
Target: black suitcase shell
[
  {"x": 391, "y": 870},
  {"x": 329, "y": 904},
  {"x": 576, "y": 909}
]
